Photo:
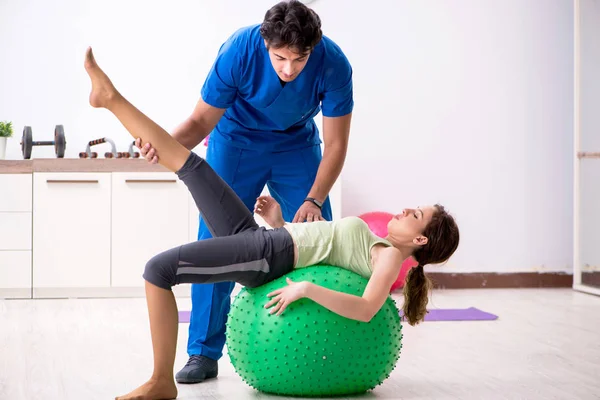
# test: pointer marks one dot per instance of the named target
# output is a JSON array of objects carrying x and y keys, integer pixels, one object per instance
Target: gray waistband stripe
[{"x": 257, "y": 265}]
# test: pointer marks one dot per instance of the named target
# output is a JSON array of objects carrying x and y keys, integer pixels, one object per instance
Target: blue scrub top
[{"x": 261, "y": 113}]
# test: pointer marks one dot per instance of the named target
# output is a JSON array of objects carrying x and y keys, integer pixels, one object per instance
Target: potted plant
[{"x": 6, "y": 131}]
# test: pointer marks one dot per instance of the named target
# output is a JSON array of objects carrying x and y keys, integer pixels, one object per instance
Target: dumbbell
[
  {"x": 88, "y": 153},
  {"x": 59, "y": 142}
]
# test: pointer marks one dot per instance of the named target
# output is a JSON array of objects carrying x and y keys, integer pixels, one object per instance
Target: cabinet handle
[
  {"x": 71, "y": 180},
  {"x": 586, "y": 154},
  {"x": 150, "y": 180}
]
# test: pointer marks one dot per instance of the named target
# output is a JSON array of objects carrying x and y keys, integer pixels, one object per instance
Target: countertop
[{"x": 78, "y": 165}]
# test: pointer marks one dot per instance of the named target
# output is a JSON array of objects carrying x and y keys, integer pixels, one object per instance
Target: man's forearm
[
  {"x": 336, "y": 131},
  {"x": 329, "y": 170},
  {"x": 197, "y": 126},
  {"x": 190, "y": 133}
]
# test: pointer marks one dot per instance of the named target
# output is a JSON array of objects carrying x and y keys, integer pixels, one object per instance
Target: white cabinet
[
  {"x": 149, "y": 215},
  {"x": 15, "y": 236},
  {"x": 71, "y": 232}
]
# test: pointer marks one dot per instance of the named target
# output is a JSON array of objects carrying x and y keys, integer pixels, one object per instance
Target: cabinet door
[
  {"x": 15, "y": 236},
  {"x": 15, "y": 254},
  {"x": 15, "y": 274},
  {"x": 15, "y": 230},
  {"x": 149, "y": 215},
  {"x": 71, "y": 230},
  {"x": 16, "y": 192}
]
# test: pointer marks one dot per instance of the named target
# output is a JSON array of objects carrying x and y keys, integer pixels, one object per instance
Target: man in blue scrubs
[{"x": 258, "y": 103}]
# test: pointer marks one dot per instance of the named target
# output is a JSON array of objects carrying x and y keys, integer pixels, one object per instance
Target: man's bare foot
[
  {"x": 154, "y": 389},
  {"x": 103, "y": 91}
]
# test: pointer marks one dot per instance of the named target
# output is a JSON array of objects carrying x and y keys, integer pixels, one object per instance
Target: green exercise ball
[{"x": 308, "y": 350}]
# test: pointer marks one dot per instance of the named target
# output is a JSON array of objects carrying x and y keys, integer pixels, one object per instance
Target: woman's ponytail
[{"x": 416, "y": 295}]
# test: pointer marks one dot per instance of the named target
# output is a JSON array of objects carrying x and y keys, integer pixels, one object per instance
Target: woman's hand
[
  {"x": 286, "y": 295},
  {"x": 269, "y": 210}
]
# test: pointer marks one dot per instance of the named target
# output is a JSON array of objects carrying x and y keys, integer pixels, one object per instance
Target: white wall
[{"x": 465, "y": 102}]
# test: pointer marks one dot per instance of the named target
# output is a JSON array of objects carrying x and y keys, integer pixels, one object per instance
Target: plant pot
[{"x": 3, "y": 147}]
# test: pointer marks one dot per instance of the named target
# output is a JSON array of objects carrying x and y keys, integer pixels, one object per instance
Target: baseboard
[
  {"x": 23, "y": 293},
  {"x": 487, "y": 280},
  {"x": 590, "y": 278},
  {"x": 472, "y": 280}
]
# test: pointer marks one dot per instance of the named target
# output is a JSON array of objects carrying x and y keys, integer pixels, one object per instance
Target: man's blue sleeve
[
  {"x": 338, "y": 97},
  {"x": 221, "y": 85}
]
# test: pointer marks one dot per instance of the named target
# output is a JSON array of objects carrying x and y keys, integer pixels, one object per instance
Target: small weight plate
[
  {"x": 27, "y": 142},
  {"x": 60, "y": 143}
]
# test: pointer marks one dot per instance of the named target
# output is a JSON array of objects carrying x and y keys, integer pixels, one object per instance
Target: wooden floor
[{"x": 545, "y": 345}]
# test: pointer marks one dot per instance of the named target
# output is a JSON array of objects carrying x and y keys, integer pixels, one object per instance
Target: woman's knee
[{"x": 161, "y": 269}]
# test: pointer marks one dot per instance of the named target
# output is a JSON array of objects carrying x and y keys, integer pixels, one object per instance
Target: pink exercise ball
[
  {"x": 406, "y": 266},
  {"x": 377, "y": 222}
]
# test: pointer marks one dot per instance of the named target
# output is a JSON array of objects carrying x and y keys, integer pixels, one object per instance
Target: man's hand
[
  {"x": 147, "y": 151},
  {"x": 308, "y": 212},
  {"x": 269, "y": 210}
]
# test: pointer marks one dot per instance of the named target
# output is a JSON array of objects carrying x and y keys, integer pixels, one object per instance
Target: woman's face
[{"x": 408, "y": 226}]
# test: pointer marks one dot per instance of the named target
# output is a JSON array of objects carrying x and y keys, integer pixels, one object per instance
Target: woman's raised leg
[
  {"x": 223, "y": 211},
  {"x": 104, "y": 95}
]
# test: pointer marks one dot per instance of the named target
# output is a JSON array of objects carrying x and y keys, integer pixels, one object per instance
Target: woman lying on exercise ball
[{"x": 243, "y": 252}]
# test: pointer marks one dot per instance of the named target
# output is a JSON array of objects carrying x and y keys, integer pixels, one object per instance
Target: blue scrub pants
[{"x": 289, "y": 175}]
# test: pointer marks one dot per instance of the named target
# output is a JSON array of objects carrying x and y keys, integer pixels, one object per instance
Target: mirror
[{"x": 586, "y": 252}]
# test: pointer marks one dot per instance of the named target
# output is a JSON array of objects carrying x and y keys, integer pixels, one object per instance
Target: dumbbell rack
[{"x": 88, "y": 153}]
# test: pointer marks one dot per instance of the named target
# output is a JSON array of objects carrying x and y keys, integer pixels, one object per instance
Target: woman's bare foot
[
  {"x": 103, "y": 91},
  {"x": 154, "y": 389}
]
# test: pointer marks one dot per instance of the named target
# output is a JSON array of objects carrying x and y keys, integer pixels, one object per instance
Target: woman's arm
[
  {"x": 377, "y": 291},
  {"x": 350, "y": 306}
]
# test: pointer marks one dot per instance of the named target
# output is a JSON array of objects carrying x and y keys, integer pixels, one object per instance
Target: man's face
[{"x": 287, "y": 62}]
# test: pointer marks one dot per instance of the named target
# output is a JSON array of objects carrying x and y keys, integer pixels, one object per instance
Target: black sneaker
[{"x": 197, "y": 369}]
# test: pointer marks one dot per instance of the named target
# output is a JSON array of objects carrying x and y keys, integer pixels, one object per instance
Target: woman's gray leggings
[{"x": 239, "y": 251}]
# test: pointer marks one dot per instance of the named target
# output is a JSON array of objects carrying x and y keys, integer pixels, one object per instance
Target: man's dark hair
[{"x": 291, "y": 24}]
